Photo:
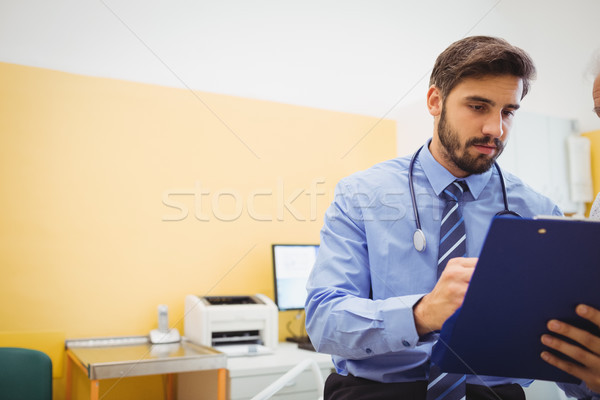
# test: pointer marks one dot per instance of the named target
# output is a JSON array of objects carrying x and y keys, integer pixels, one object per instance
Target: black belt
[{"x": 340, "y": 387}]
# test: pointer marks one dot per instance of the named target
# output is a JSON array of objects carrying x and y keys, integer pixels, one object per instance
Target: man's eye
[
  {"x": 509, "y": 113},
  {"x": 477, "y": 107}
]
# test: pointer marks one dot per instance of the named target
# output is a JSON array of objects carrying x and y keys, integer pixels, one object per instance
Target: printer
[{"x": 235, "y": 325}]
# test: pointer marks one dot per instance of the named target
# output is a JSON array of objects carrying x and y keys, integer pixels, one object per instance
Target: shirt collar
[{"x": 439, "y": 177}]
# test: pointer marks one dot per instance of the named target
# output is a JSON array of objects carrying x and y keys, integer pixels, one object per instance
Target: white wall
[
  {"x": 537, "y": 152},
  {"x": 366, "y": 57}
]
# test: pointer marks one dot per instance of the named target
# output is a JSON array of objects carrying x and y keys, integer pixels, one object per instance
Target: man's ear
[{"x": 434, "y": 101}]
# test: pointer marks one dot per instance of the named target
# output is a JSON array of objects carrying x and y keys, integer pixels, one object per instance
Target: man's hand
[
  {"x": 589, "y": 371},
  {"x": 447, "y": 295}
]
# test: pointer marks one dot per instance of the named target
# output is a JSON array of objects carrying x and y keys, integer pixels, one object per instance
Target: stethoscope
[{"x": 419, "y": 237}]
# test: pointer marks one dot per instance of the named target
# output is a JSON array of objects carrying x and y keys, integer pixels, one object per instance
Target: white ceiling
[{"x": 366, "y": 57}]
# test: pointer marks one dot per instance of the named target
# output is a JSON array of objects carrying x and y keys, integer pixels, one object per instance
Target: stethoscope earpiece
[{"x": 419, "y": 237}]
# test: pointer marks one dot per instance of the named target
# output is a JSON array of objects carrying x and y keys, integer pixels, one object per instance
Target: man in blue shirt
[{"x": 374, "y": 299}]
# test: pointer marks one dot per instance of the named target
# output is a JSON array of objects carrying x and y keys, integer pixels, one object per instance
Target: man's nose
[{"x": 494, "y": 126}]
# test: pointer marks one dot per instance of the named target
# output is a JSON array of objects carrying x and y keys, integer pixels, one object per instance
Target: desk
[
  {"x": 249, "y": 375},
  {"x": 135, "y": 356}
]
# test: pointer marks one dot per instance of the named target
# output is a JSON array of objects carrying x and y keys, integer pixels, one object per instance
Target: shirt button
[
  {"x": 369, "y": 351},
  {"x": 405, "y": 343}
]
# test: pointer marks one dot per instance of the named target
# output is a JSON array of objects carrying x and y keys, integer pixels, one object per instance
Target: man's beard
[{"x": 459, "y": 156}]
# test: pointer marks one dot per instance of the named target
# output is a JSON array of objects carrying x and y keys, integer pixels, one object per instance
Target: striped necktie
[
  {"x": 452, "y": 230},
  {"x": 441, "y": 385}
]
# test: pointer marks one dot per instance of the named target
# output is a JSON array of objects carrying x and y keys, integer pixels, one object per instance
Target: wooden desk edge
[{"x": 94, "y": 384}]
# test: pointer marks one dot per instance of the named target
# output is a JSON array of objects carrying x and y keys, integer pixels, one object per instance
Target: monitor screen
[{"x": 292, "y": 264}]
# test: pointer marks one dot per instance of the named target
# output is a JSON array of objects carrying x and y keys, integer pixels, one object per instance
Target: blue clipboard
[{"x": 529, "y": 271}]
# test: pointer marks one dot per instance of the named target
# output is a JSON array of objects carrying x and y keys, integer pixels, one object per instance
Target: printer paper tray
[{"x": 243, "y": 350}]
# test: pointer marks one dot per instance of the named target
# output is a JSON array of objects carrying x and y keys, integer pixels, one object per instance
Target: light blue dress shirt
[{"x": 368, "y": 275}]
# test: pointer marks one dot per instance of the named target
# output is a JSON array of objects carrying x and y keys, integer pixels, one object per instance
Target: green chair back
[{"x": 25, "y": 374}]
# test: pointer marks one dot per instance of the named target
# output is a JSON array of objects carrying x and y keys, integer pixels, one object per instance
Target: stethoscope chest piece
[{"x": 419, "y": 240}]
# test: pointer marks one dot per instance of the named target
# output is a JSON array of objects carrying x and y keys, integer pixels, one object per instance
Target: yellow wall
[
  {"x": 594, "y": 137},
  {"x": 93, "y": 235}
]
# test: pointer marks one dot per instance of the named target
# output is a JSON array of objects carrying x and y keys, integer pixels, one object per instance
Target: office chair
[
  {"x": 25, "y": 374},
  {"x": 281, "y": 382}
]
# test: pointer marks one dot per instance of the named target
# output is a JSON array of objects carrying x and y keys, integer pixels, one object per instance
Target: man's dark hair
[{"x": 477, "y": 56}]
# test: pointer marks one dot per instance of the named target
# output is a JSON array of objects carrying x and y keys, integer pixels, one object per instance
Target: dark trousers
[{"x": 339, "y": 387}]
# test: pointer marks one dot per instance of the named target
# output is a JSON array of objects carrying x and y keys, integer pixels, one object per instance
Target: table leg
[
  {"x": 222, "y": 384},
  {"x": 69, "y": 377},
  {"x": 170, "y": 387},
  {"x": 94, "y": 390}
]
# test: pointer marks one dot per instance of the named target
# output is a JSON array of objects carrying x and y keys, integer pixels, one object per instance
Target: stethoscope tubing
[{"x": 419, "y": 239}]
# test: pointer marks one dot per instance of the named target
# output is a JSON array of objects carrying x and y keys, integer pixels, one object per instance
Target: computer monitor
[{"x": 292, "y": 264}]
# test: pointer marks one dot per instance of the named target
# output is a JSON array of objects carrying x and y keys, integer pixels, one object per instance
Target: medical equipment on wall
[
  {"x": 419, "y": 237},
  {"x": 235, "y": 325}
]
